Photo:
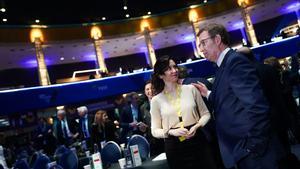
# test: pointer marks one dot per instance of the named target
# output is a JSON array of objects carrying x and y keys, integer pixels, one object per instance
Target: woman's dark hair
[{"x": 161, "y": 65}]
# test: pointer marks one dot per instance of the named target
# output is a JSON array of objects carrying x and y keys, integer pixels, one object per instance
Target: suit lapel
[{"x": 219, "y": 73}]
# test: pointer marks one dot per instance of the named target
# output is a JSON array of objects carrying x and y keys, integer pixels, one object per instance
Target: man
[
  {"x": 61, "y": 129},
  {"x": 130, "y": 118},
  {"x": 85, "y": 125},
  {"x": 240, "y": 108}
]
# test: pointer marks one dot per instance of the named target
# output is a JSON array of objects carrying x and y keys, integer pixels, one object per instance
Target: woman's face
[
  {"x": 148, "y": 91},
  {"x": 100, "y": 116},
  {"x": 104, "y": 117},
  {"x": 171, "y": 74}
]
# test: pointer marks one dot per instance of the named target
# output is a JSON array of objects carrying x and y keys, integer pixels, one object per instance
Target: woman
[
  {"x": 103, "y": 129},
  {"x": 177, "y": 114}
]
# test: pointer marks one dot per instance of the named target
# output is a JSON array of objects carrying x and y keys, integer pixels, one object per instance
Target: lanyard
[{"x": 176, "y": 104}]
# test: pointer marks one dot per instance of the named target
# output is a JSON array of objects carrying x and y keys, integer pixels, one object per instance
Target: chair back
[
  {"x": 68, "y": 160},
  {"x": 21, "y": 164},
  {"x": 56, "y": 166},
  {"x": 60, "y": 150},
  {"x": 1, "y": 166},
  {"x": 41, "y": 162},
  {"x": 111, "y": 153},
  {"x": 143, "y": 144}
]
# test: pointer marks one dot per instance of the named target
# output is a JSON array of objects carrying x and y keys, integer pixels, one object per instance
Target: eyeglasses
[{"x": 204, "y": 41}]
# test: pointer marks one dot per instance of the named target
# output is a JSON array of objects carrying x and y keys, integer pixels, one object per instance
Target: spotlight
[
  {"x": 4, "y": 20},
  {"x": 125, "y": 7},
  {"x": 127, "y": 15}
]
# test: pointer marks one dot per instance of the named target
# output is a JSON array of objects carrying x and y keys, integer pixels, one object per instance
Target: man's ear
[{"x": 218, "y": 39}]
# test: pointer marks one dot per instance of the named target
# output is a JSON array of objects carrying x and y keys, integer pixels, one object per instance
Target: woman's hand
[
  {"x": 192, "y": 131},
  {"x": 178, "y": 132}
]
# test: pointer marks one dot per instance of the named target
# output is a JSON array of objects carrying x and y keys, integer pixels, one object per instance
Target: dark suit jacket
[
  {"x": 90, "y": 121},
  {"x": 241, "y": 110},
  {"x": 125, "y": 119},
  {"x": 57, "y": 128},
  {"x": 108, "y": 133},
  {"x": 272, "y": 88}
]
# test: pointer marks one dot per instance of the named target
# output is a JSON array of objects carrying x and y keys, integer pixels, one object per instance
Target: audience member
[
  {"x": 85, "y": 125},
  {"x": 177, "y": 112},
  {"x": 287, "y": 88},
  {"x": 270, "y": 82},
  {"x": 130, "y": 118},
  {"x": 103, "y": 129},
  {"x": 62, "y": 130},
  {"x": 43, "y": 137},
  {"x": 156, "y": 145}
]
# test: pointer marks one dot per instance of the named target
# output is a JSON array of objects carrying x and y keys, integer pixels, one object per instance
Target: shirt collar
[{"x": 221, "y": 56}]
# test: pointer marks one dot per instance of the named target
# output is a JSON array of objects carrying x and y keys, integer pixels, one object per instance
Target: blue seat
[
  {"x": 60, "y": 151},
  {"x": 56, "y": 166},
  {"x": 21, "y": 164},
  {"x": 143, "y": 144},
  {"x": 41, "y": 162},
  {"x": 111, "y": 153},
  {"x": 68, "y": 160}
]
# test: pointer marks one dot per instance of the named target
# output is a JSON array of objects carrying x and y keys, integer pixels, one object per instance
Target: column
[
  {"x": 248, "y": 23},
  {"x": 298, "y": 16},
  {"x": 96, "y": 35},
  {"x": 42, "y": 68},
  {"x": 196, "y": 43},
  {"x": 193, "y": 17},
  {"x": 99, "y": 56},
  {"x": 151, "y": 53}
]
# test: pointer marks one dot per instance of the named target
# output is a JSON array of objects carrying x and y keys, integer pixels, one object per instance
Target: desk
[{"x": 148, "y": 164}]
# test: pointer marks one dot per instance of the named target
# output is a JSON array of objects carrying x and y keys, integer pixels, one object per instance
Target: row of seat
[
  {"x": 112, "y": 152},
  {"x": 67, "y": 159}
]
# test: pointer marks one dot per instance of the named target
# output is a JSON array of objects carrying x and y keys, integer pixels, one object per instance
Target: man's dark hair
[{"x": 214, "y": 30}]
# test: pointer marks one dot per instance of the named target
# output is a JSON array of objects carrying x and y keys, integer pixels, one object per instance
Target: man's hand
[
  {"x": 133, "y": 124},
  {"x": 202, "y": 88}
]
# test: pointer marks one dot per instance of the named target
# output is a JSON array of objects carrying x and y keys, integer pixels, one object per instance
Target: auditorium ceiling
[{"x": 22, "y": 55}]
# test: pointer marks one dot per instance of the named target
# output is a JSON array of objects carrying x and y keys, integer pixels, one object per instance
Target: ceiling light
[
  {"x": 4, "y": 20},
  {"x": 149, "y": 13},
  {"x": 73, "y": 58},
  {"x": 193, "y": 6},
  {"x": 205, "y": 1},
  {"x": 37, "y": 21},
  {"x": 103, "y": 18},
  {"x": 127, "y": 15},
  {"x": 62, "y": 58},
  {"x": 2, "y": 9},
  {"x": 125, "y": 7}
]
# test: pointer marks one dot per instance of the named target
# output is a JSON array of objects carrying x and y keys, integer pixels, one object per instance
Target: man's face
[
  {"x": 81, "y": 113},
  {"x": 148, "y": 90},
  {"x": 208, "y": 46},
  {"x": 60, "y": 116}
]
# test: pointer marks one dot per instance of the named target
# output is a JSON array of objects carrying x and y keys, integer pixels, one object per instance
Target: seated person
[{"x": 103, "y": 129}]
